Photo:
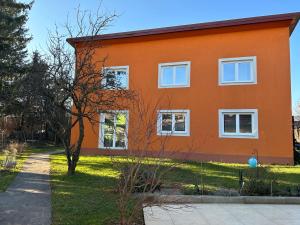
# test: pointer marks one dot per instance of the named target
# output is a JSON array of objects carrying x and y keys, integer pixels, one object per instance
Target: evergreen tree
[
  {"x": 31, "y": 104},
  {"x": 13, "y": 53}
]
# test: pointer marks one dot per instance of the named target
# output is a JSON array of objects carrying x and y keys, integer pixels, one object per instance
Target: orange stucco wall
[{"x": 271, "y": 95}]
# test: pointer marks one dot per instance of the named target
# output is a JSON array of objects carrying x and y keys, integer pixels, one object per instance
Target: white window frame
[
  {"x": 173, "y": 133},
  {"x": 103, "y": 81},
  {"x": 174, "y": 64},
  {"x": 236, "y": 61},
  {"x": 253, "y": 112},
  {"x": 101, "y": 130}
]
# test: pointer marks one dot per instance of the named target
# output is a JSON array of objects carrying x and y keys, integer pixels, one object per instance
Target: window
[
  {"x": 115, "y": 77},
  {"x": 172, "y": 75},
  {"x": 238, "y": 123},
  {"x": 173, "y": 122},
  {"x": 237, "y": 71},
  {"x": 114, "y": 127}
]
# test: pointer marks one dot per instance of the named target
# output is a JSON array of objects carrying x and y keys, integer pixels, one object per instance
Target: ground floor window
[
  {"x": 173, "y": 122},
  {"x": 113, "y": 130},
  {"x": 238, "y": 123}
]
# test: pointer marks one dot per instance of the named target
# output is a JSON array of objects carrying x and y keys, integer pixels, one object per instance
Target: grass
[
  {"x": 89, "y": 197},
  {"x": 225, "y": 175},
  {"x": 6, "y": 177}
]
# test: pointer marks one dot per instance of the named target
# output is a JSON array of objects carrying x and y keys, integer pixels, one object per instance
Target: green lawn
[
  {"x": 89, "y": 197},
  {"x": 8, "y": 176}
]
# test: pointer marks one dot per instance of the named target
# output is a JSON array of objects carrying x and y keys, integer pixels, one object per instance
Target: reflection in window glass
[
  {"x": 228, "y": 72},
  {"x": 179, "y": 122},
  {"x": 229, "y": 123},
  {"x": 174, "y": 123},
  {"x": 116, "y": 78},
  {"x": 244, "y": 71},
  {"x": 245, "y": 123},
  {"x": 166, "y": 122},
  {"x": 167, "y": 75},
  {"x": 174, "y": 75},
  {"x": 114, "y": 130},
  {"x": 238, "y": 70},
  {"x": 241, "y": 123},
  {"x": 110, "y": 80},
  {"x": 180, "y": 75},
  {"x": 108, "y": 141},
  {"x": 122, "y": 79},
  {"x": 108, "y": 130}
]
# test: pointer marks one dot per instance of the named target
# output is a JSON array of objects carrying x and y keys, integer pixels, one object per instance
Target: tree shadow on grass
[{"x": 83, "y": 198}]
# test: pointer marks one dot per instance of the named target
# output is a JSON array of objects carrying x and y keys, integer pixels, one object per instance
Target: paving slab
[
  {"x": 225, "y": 214},
  {"x": 27, "y": 201}
]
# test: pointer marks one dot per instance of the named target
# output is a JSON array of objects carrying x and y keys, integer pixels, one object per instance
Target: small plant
[
  {"x": 9, "y": 161},
  {"x": 259, "y": 181},
  {"x": 199, "y": 187},
  {"x": 241, "y": 181}
]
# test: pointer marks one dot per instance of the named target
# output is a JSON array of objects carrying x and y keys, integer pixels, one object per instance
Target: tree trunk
[
  {"x": 73, "y": 156},
  {"x": 71, "y": 167}
]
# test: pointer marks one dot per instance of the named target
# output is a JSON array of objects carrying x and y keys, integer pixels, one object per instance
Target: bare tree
[
  {"x": 75, "y": 89},
  {"x": 144, "y": 166}
]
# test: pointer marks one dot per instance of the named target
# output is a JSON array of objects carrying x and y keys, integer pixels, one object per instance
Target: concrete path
[
  {"x": 28, "y": 198},
  {"x": 225, "y": 214}
]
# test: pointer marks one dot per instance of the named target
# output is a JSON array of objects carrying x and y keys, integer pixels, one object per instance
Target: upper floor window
[
  {"x": 235, "y": 71},
  {"x": 173, "y": 122},
  {"x": 116, "y": 77},
  {"x": 172, "y": 75},
  {"x": 238, "y": 123}
]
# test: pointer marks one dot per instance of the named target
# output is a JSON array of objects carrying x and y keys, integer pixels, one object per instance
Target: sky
[{"x": 143, "y": 14}]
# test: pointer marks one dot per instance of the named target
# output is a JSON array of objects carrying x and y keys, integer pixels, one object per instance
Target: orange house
[{"x": 228, "y": 81}]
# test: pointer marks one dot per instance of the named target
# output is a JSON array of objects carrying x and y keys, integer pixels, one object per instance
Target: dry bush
[
  {"x": 259, "y": 181},
  {"x": 10, "y": 155},
  {"x": 17, "y": 147},
  {"x": 144, "y": 166}
]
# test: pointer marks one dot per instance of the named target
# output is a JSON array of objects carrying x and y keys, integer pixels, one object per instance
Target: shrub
[
  {"x": 140, "y": 179},
  {"x": 10, "y": 154},
  {"x": 9, "y": 161},
  {"x": 259, "y": 181},
  {"x": 18, "y": 147}
]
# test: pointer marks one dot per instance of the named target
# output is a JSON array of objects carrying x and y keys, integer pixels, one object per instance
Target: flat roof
[{"x": 294, "y": 17}]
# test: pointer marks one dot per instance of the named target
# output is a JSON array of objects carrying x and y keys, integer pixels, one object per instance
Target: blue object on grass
[{"x": 252, "y": 162}]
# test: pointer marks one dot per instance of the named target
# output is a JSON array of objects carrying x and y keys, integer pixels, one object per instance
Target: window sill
[
  {"x": 238, "y": 83},
  {"x": 107, "y": 148},
  {"x": 173, "y": 86},
  {"x": 251, "y": 136},
  {"x": 173, "y": 134}
]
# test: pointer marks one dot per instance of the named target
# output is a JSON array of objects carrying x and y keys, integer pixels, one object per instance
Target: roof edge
[{"x": 295, "y": 16}]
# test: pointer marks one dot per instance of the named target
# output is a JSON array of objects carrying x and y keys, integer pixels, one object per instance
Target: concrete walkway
[
  {"x": 28, "y": 198},
  {"x": 225, "y": 214}
]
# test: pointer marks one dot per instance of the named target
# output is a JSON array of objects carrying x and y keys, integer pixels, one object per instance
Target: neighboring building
[
  {"x": 296, "y": 129},
  {"x": 229, "y": 84}
]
